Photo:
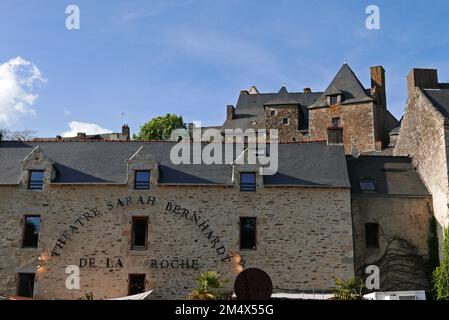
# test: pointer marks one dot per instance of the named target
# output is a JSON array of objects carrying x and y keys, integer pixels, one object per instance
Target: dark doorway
[
  {"x": 25, "y": 285},
  {"x": 136, "y": 284}
]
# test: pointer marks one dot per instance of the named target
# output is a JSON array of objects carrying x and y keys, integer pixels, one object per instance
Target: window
[
  {"x": 273, "y": 113},
  {"x": 285, "y": 121},
  {"x": 31, "y": 230},
  {"x": 372, "y": 235},
  {"x": 336, "y": 122},
  {"x": 142, "y": 180},
  {"x": 335, "y": 135},
  {"x": 247, "y": 181},
  {"x": 25, "y": 285},
  {"x": 139, "y": 233},
  {"x": 248, "y": 228},
  {"x": 36, "y": 180},
  {"x": 367, "y": 185},
  {"x": 333, "y": 100},
  {"x": 136, "y": 284}
]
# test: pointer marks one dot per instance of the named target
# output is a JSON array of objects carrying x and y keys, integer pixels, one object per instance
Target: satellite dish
[{"x": 355, "y": 153}]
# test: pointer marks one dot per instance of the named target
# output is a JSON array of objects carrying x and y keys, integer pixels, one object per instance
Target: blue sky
[{"x": 192, "y": 57}]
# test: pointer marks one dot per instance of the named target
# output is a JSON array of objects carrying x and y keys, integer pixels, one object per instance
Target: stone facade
[
  {"x": 424, "y": 137},
  {"x": 403, "y": 239},
  {"x": 357, "y": 121},
  {"x": 303, "y": 244},
  {"x": 287, "y": 132}
]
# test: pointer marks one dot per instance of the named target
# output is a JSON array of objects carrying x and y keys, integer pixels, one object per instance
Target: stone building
[
  {"x": 345, "y": 113},
  {"x": 424, "y": 136}
]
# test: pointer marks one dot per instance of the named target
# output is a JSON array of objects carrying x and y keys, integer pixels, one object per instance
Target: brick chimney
[
  {"x": 126, "y": 134},
  {"x": 307, "y": 90},
  {"x": 378, "y": 85},
  {"x": 230, "y": 112},
  {"x": 422, "y": 78}
]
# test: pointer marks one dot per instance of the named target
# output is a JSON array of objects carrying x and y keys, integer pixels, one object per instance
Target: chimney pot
[{"x": 307, "y": 90}]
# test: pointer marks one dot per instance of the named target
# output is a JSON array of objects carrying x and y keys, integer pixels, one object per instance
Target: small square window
[
  {"x": 136, "y": 284},
  {"x": 273, "y": 113},
  {"x": 142, "y": 180},
  {"x": 372, "y": 235},
  {"x": 36, "y": 180},
  {"x": 31, "y": 229},
  {"x": 247, "y": 181},
  {"x": 336, "y": 122},
  {"x": 285, "y": 121},
  {"x": 139, "y": 233},
  {"x": 248, "y": 235},
  {"x": 333, "y": 100},
  {"x": 367, "y": 185}
]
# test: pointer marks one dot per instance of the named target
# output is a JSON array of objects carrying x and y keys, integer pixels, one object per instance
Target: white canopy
[{"x": 140, "y": 296}]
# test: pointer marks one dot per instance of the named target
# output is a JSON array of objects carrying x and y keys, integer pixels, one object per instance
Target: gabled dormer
[
  {"x": 142, "y": 170},
  {"x": 37, "y": 170}
]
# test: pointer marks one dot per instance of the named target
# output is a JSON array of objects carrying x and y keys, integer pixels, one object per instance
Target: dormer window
[
  {"x": 334, "y": 99},
  {"x": 248, "y": 181},
  {"x": 36, "y": 180},
  {"x": 367, "y": 185},
  {"x": 142, "y": 180}
]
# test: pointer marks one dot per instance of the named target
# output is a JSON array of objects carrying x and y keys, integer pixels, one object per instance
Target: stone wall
[
  {"x": 403, "y": 239},
  {"x": 304, "y": 237},
  {"x": 423, "y": 137},
  {"x": 286, "y": 132},
  {"x": 357, "y": 121}
]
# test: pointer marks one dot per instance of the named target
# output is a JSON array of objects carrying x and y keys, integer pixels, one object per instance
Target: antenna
[{"x": 122, "y": 117}]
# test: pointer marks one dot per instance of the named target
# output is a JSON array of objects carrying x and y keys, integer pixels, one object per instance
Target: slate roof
[
  {"x": 391, "y": 175},
  {"x": 304, "y": 164},
  {"x": 440, "y": 98},
  {"x": 346, "y": 83}
]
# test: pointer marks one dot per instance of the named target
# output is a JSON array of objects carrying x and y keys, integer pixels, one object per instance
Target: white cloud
[
  {"x": 87, "y": 128},
  {"x": 18, "y": 79}
]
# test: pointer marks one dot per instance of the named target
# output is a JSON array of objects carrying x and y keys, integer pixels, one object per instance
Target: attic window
[
  {"x": 367, "y": 185},
  {"x": 142, "y": 180},
  {"x": 273, "y": 113},
  {"x": 36, "y": 180},
  {"x": 334, "y": 99}
]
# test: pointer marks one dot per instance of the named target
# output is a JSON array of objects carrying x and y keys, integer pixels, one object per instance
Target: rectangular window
[
  {"x": 336, "y": 122},
  {"x": 285, "y": 121},
  {"x": 31, "y": 228},
  {"x": 273, "y": 113},
  {"x": 247, "y": 181},
  {"x": 333, "y": 100},
  {"x": 25, "y": 285},
  {"x": 142, "y": 180},
  {"x": 136, "y": 284},
  {"x": 139, "y": 233},
  {"x": 335, "y": 136},
  {"x": 36, "y": 180},
  {"x": 367, "y": 185},
  {"x": 372, "y": 235},
  {"x": 248, "y": 237}
]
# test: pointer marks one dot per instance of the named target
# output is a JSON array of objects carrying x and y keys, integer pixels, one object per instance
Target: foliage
[
  {"x": 160, "y": 128},
  {"x": 441, "y": 274},
  {"x": 24, "y": 135},
  {"x": 434, "y": 257},
  {"x": 351, "y": 289},
  {"x": 87, "y": 296},
  {"x": 209, "y": 287}
]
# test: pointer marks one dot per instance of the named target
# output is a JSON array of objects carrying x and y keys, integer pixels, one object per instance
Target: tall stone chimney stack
[
  {"x": 422, "y": 78},
  {"x": 126, "y": 133},
  {"x": 230, "y": 112},
  {"x": 378, "y": 85}
]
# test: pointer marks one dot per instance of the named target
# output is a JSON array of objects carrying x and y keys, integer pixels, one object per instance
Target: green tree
[
  {"x": 160, "y": 128},
  {"x": 441, "y": 274},
  {"x": 209, "y": 287},
  {"x": 351, "y": 289}
]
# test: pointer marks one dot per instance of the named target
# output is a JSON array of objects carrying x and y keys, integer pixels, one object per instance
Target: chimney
[
  {"x": 81, "y": 136},
  {"x": 378, "y": 85},
  {"x": 230, "y": 112},
  {"x": 126, "y": 134},
  {"x": 307, "y": 90},
  {"x": 422, "y": 78}
]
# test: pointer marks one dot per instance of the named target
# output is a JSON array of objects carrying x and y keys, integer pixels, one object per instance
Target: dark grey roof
[
  {"x": 391, "y": 175},
  {"x": 345, "y": 82},
  {"x": 250, "y": 111},
  {"x": 439, "y": 98},
  {"x": 309, "y": 164}
]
